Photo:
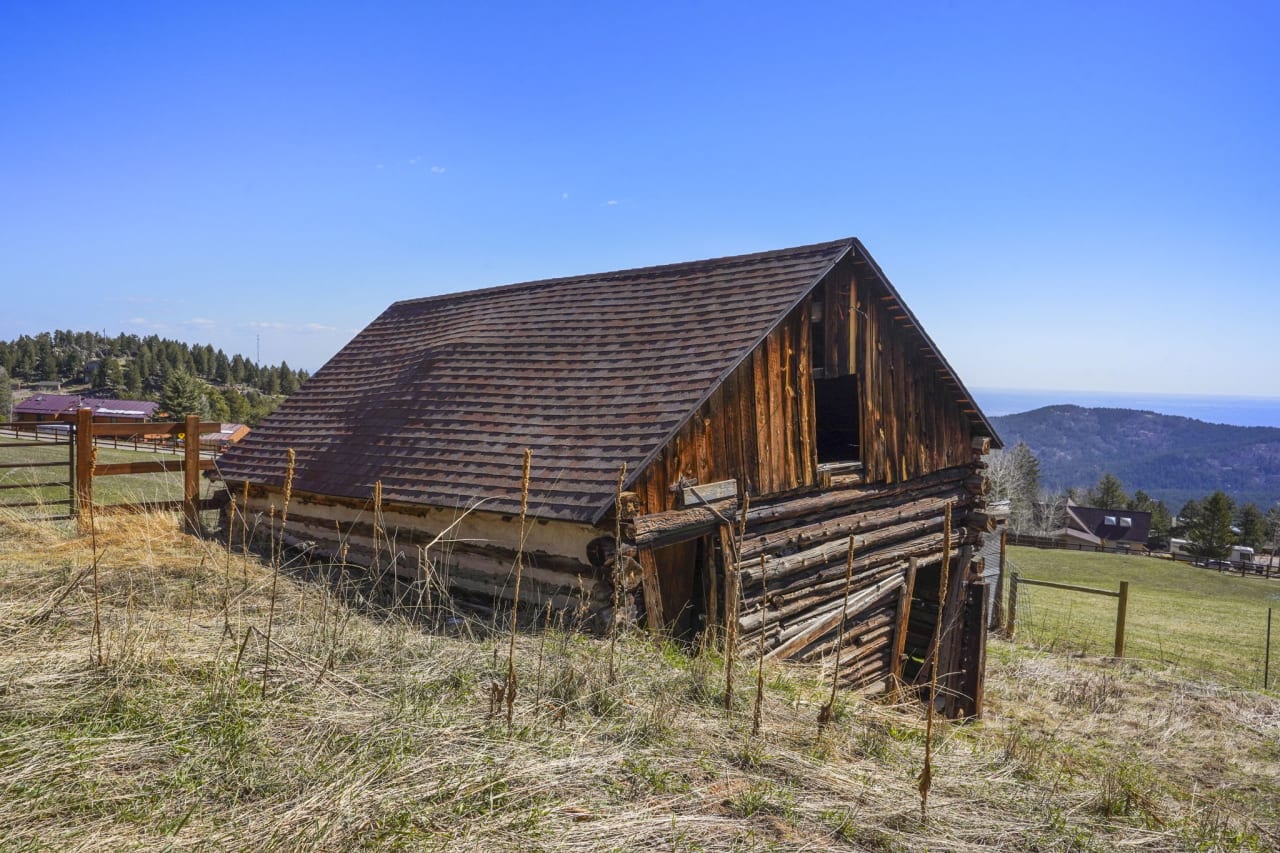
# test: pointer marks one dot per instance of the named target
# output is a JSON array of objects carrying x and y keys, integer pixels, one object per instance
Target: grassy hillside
[
  {"x": 377, "y": 731},
  {"x": 1171, "y": 458},
  {"x": 1202, "y": 623}
]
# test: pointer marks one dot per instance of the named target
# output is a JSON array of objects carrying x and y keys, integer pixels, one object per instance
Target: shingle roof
[
  {"x": 121, "y": 408},
  {"x": 47, "y": 404},
  {"x": 438, "y": 397}
]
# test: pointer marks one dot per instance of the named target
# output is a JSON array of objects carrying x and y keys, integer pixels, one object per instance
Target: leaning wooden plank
[
  {"x": 904, "y": 615},
  {"x": 652, "y": 592}
]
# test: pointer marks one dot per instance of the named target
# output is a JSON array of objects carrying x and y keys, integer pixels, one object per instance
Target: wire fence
[{"x": 1209, "y": 626}]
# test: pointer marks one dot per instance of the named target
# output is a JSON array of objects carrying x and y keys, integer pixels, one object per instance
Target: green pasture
[
  {"x": 1202, "y": 623},
  {"x": 107, "y": 491}
]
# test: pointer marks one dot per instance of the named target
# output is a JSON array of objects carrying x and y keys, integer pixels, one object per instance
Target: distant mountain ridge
[{"x": 1170, "y": 458}]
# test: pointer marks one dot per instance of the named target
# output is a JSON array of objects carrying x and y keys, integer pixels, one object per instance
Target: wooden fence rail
[
  {"x": 1122, "y": 605},
  {"x": 190, "y": 465},
  {"x": 34, "y": 485}
]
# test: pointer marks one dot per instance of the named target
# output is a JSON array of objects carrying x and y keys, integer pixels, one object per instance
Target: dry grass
[{"x": 171, "y": 745}]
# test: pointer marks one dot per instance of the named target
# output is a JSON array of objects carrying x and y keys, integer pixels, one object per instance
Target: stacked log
[{"x": 804, "y": 543}]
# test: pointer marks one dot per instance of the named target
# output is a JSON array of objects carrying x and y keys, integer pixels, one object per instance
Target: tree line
[
  {"x": 1213, "y": 525},
  {"x": 183, "y": 378}
]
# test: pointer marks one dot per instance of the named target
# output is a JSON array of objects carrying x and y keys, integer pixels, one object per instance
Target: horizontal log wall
[
  {"x": 793, "y": 562},
  {"x": 471, "y": 553}
]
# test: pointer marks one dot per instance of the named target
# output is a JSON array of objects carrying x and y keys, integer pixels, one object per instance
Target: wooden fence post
[
  {"x": 191, "y": 474},
  {"x": 1013, "y": 605},
  {"x": 1000, "y": 582},
  {"x": 1266, "y": 660},
  {"x": 71, "y": 474},
  {"x": 1122, "y": 607},
  {"x": 84, "y": 464}
]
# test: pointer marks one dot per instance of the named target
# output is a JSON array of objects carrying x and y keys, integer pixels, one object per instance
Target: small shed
[
  {"x": 227, "y": 435},
  {"x": 708, "y": 439}
]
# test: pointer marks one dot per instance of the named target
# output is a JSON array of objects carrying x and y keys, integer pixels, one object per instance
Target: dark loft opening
[{"x": 836, "y": 408}]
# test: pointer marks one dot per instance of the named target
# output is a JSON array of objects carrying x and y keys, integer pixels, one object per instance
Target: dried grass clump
[{"x": 376, "y": 732}]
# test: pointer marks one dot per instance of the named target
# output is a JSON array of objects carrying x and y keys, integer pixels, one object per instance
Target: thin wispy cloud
[
  {"x": 438, "y": 170},
  {"x": 200, "y": 323},
  {"x": 142, "y": 300},
  {"x": 147, "y": 323},
  {"x": 296, "y": 328},
  {"x": 613, "y": 202}
]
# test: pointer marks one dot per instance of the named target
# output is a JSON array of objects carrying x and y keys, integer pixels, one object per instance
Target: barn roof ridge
[{"x": 650, "y": 271}]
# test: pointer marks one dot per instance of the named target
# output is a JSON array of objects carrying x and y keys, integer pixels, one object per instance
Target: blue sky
[{"x": 1075, "y": 196}]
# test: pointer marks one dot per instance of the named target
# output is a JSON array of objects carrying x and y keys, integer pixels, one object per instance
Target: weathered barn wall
[
  {"x": 471, "y": 552},
  {"x": 758, "y": 426},
  {"x": 912, "y": 421}
]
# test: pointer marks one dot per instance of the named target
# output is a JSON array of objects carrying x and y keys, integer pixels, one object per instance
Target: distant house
[
  {"x": 45, "y": 407},
  {"x": 63, "y": 407},
  {"x": 1101, "y": 527},
  {"x": 120, "y": 411},
  {"x": 797, "y": 380}
]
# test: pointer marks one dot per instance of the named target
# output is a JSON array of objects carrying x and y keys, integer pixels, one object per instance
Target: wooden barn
[{"x": 769, "y": 409}]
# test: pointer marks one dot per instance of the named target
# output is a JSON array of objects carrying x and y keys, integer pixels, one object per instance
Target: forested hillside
[
  {"x": 1174, "y": 459},
  {"x": 233, "y": 388}
]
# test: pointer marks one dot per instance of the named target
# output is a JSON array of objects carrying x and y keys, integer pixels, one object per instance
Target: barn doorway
[
  {"x": 683, "y": 571},
  {"x": 836, "y": 413}
]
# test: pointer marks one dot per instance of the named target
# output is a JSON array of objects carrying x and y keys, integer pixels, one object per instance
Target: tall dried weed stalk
[
  {"x": 617, "y": 572},
  {"x": 275, "y": 561},
  {"x": 828, "y": 710},
  {"x": 93, "y": 542},
  {"x": 732, "y": 599},
  {"x": 515, "y": 601},
  {"x": 926, "y": 774},
  {"x": 759, "y": 705}
]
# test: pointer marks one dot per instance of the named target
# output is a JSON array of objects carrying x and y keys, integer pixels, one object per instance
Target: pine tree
[
  {"x": 6, "y": 396},
  {"x": 1253, "y": 526},
  {"x": 132, "y": 379},
  {"x": 1210, "y": 534},
  {"x": 1107, "y": 494},
  {"x": 183, "y": 395}
]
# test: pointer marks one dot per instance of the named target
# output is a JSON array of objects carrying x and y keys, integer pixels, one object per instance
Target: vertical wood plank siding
[{"x": 758, "y": 426}]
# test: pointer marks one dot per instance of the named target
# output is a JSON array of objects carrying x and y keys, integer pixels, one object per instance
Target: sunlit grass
[
  {"x": 107, "y": 491},
  {"x": 1204, "y": 623}
]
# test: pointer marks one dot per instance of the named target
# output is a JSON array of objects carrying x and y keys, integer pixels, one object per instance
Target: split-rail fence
[{"x": 81, "y": 471}]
